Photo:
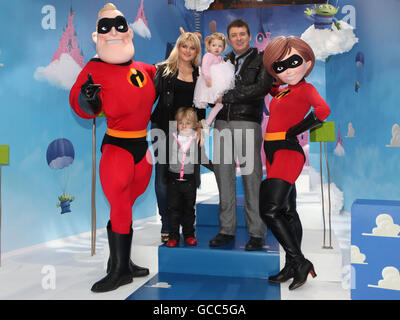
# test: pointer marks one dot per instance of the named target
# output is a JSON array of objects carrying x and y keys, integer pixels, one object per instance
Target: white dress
[{"x": 222, "y": 74}]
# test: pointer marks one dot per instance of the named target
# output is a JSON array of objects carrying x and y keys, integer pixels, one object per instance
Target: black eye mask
[
  {"x": 105, "y": 24},
  {"x": 292, "y": 62}
]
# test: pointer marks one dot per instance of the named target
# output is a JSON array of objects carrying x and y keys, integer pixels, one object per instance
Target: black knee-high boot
[
  {"x": 136, "y": 270},
  {"x": 120, "y": 273},
  {"x": 273, "y": 195},
  {"x": 290, "y": 213}
]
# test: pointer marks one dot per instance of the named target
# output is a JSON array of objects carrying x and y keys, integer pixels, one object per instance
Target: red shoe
[
  {"x": 191, "y": 241},
  {"x": 172, "y": 243}
]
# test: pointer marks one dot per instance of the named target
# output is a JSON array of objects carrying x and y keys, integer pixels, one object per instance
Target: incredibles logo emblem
[
  {"x": 283, "y": 93},
  {"x": 137, "y": 78}
]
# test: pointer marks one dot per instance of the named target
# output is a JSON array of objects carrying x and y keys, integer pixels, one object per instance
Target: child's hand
[
  {"x": 219, "y": 100},
  {"x": 208, "y": 83}
]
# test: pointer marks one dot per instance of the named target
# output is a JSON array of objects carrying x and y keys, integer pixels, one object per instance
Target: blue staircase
[{"x": 223, "y": 273}]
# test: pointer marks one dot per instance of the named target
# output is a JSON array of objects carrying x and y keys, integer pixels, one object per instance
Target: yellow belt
[
  {"x": 272, "y": 136},
  {"x": 127, "y": 134}
]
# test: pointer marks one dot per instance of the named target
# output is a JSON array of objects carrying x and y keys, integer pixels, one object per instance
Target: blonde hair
[
  {"x": 187, "y": 113},
  {"x": 171, "y": 63},
  {"x": 215, "y": 36},
  {"x": 107, "y": 7},
  {"x": 280, "y": 47}
]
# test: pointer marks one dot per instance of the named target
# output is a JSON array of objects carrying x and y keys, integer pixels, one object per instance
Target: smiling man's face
[{"x": 113, "y": 38}]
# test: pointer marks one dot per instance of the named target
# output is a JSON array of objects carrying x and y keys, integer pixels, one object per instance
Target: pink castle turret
[
  {"x": 141, "y": 15},
  {"x": 339, "y": 139},
  {"x": 68, "y": 43}
]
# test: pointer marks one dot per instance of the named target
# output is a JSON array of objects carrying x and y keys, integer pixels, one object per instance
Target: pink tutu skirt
[{"x": 223, "y": 79}]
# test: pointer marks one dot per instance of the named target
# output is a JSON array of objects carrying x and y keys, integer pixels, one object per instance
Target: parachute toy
[{"x": 60, "y": 154}]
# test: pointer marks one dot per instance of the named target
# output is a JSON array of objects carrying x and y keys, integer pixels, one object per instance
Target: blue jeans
[{"x": 161, "y": 189}]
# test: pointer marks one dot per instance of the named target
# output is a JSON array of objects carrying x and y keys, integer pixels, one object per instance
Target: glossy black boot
[
  {"x": 274, "y": 195},
  {"x": 302, "y": 268},
  {"x": 120, "y": 273},
  {"x": 290, "y": 213},
  {"x": 136, "y": 270}
]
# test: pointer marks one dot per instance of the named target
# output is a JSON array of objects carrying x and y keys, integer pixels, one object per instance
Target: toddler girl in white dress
[{"x": 216, "y": 77}]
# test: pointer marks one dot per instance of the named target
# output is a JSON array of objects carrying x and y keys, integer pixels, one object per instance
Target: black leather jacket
[
  {"x": 165, "y": 89},
  {"x": 252, "y": 84}
]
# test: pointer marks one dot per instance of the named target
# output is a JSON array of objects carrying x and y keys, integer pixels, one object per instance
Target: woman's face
[
  {"x": 187, "y": 51},
  {"x": 292, "y": 68}
]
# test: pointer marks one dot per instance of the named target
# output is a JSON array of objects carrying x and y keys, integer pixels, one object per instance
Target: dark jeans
[
  {"x": 181, "y": 207},
  {"x": 161, "y": 190}
]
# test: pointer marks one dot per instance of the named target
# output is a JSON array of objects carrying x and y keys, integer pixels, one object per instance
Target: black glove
[
  {"x": 308, "y": 123},
  {"x": 89, "y": 98}
]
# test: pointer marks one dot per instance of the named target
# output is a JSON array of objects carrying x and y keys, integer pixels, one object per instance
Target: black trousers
[{"x": 181, "y": 207}]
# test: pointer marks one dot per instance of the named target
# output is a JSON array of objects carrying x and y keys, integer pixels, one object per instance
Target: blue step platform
[
  {"x": 231, "y": 260},
  {"x": 222, "y": 273}
]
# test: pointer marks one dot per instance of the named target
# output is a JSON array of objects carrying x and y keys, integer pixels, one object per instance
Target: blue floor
[{"x": 203, "y": 287}]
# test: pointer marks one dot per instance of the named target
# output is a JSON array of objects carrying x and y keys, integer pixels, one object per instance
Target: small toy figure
[{"x": 323, "y": 15}]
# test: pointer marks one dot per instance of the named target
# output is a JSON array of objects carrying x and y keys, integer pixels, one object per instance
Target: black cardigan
[{"x": 165, "y": 89}]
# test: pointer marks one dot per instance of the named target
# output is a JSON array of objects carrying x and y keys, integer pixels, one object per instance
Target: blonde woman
[{"x": 175, "y": 81}]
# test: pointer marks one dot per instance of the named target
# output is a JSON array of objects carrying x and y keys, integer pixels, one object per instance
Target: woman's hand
[{"x": 200, "y": 137}]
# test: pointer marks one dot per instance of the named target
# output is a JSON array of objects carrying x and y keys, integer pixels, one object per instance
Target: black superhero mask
[
  {"x": 292, "y": 62},
  {"x": 105, "y": 24}
]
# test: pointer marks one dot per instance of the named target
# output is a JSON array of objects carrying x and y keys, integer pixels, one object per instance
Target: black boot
[
  {"x": 120, "y": 273},
  {"x": 290, "y": 213},
  {"x": 302, "y": 267},
  {"x": 135, "y": 269},
  {"x": 274, "y": 194}
]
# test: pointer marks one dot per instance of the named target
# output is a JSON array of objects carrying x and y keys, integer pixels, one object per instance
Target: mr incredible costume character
[{"x": 123, "y": 89}]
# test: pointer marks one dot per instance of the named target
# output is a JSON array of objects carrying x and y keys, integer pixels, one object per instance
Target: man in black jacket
[{"x": 238, "y": 136}]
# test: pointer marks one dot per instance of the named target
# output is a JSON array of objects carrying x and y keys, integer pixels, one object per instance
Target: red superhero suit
[
  {"x": 127, "y": 95},
  {"x": 285, "y": 159}
]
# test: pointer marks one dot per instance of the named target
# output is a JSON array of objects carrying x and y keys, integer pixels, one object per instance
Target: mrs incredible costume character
[
  {"x": 124, "y": 90},
  {"x": 289, "y": 60}
]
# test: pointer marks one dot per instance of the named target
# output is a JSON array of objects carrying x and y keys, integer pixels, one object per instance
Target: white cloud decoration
[
  {"x": 385, "y": 227},
  {"x": 140, "y": 28},
  {"x": 356, "y": 256},
  {"x": 61, "y": 72},
  {"x": 163, "y": 285},
  {"x": 395, "y": 141},
  {"x": 198, "y": 5},
  {"x": 391, "y": 279},
  {"x": 350, "y": 130},
  {"x": 327, "y": 42}
]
